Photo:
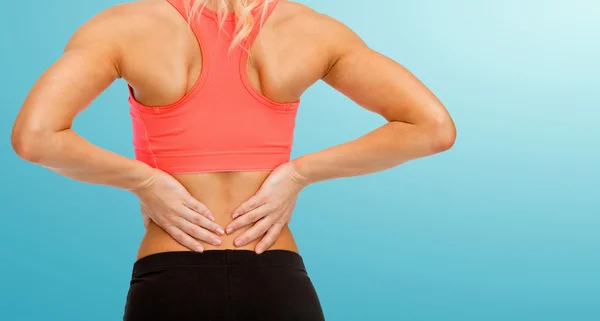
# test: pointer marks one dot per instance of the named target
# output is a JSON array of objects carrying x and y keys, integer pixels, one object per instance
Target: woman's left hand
[{"x": 270, "y": 209}]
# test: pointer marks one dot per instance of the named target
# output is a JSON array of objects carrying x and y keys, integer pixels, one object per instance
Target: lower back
[{"x": 222, "y": 193}]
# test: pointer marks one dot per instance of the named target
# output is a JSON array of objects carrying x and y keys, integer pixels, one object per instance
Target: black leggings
[{"x": 222, "y": 285}]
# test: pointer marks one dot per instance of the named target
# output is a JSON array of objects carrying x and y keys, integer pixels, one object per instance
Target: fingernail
[
  {"x": 217, "y": 241},
  {"x": 229, "y": 230},
  {"x": 220, "y": 231},
  {"x": 199, "y": 249},
  {"x": 235, "y": 215},
  {"x": 259, "y": 250},
  {"x": 212, "y": 218},
  {"x": 238, "y": 242}
]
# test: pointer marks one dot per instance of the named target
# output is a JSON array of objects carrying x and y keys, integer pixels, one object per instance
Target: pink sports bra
[{"x": 223, "y": 123}]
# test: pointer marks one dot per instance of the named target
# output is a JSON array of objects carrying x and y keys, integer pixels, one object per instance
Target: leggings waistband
[{"x": 225, "y": 257}]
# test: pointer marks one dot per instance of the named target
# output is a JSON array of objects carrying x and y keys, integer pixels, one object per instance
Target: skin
[{"x": 149, "y": 45}]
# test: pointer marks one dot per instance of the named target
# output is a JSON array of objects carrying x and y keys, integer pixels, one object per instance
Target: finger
[
  {"x": 197, "y": 231},
  {"x": 258, "y": 229},
  {"x": 246, "y": 219},
  {"x": 270, "y": 237},
  {"x": 198, "y": 207},
  {"x": 184, "y": 239},
  {"x": 202, "y": 221},
  {"x": 252, "y": 203}
]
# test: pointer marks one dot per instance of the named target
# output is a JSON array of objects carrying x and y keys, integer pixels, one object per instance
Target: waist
[
  {"x": 156, "y": 240},
  {"x": 221, "y": 193}
]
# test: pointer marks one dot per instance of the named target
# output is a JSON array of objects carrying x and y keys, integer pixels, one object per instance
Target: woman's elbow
[
  {"x": 27, "y": 142},
  {"x": 442, "y": 134}
]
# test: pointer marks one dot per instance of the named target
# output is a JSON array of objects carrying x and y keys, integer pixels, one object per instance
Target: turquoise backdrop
[{"x": 503, "y": 227}]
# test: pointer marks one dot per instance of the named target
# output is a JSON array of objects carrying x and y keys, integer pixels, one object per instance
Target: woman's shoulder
[
  {"x": 129, "y": 25},
  {"x": 303, "y": 20},
  {"x": 131, "y": 19}
]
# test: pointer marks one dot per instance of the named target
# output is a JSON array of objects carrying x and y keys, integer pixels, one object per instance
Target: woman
[{"x": 213, "y": 115}]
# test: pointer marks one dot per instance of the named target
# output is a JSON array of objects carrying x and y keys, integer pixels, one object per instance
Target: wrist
[
  {"x": 300, "y": 173},
  {"x": 143, "y": 179}
]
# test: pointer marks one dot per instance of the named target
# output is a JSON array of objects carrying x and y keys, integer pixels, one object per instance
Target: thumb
[
  {"x": 145, "y": 216},
  {"x": 146, "y": 221}
]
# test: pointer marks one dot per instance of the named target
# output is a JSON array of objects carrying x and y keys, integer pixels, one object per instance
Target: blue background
[{"x": 504, "y": 226}]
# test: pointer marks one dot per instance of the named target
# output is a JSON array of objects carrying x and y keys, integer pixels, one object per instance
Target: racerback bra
[{"x": 223, "y": 123}]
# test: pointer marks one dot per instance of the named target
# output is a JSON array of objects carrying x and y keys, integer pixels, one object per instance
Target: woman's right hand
[{"x": 166, "y": 202}]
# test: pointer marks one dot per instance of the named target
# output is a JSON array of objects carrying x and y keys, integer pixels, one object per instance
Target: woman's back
[{"x": 162, "y": 61}]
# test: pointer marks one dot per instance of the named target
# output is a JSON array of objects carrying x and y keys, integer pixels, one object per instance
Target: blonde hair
[{"x": 244, "y": 19}]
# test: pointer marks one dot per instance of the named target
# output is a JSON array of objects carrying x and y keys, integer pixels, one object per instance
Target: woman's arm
[
  {"x": 418, "y": 124},
  {"x": 42, "y": 132}
]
